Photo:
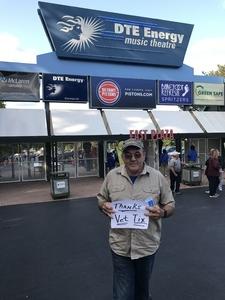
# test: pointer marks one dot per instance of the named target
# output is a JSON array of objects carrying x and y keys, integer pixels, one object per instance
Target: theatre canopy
[
  {"x": 22, "y": 123},
  {"x": 77, "y": 123}
]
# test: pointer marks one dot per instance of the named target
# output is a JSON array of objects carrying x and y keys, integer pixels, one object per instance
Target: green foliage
[
  {"x": 2, "y": 104},
  {"x": 167, "y": 143}
]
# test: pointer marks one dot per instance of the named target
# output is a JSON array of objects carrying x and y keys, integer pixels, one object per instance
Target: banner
[
  {"x": 208, "y": 94},
  {"x": 175, "y": 92},
  {"x": 122, "y": 93},
  {"x": 97, "y": 35},
  {"x": 19, "y": 86},
  {"x": 65, "y": 88}
]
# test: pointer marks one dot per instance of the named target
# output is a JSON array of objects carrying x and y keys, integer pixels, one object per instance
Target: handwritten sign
[{"x": 129, "y": 214}]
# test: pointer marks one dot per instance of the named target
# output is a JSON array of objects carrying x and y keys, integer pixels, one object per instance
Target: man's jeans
[{"x": 131, "y": 277}]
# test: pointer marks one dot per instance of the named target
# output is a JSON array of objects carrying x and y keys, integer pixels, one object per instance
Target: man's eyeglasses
[{"x": 136, "y": 155}]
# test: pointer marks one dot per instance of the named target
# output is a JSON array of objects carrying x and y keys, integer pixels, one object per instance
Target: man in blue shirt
[{"x": 192, "y": 154}]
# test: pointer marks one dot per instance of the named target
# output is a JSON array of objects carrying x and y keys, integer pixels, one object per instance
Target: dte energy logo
[
  {"x": 81, "y": 32},
  {"x": 108, "y": 92}
]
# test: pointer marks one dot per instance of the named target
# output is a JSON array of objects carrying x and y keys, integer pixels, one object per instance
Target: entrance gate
[
  {"x": 80, "y": 159},
  {"x": 22, "y": 162}
]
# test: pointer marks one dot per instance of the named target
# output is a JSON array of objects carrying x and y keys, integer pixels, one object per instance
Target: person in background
[
  {"x": 175, "y": 172},
  {"x": 213, "y": 173},
  {"x": 192, "y": 155},
  {"x": 111, "y": 160},
  {"x": 207, "y": 166},
  {"x": 87, "y": 155},
  {"x": 133, "y": 250},
  {"x": 220, "y": 186},
  {"x": 163, "y": 161}
]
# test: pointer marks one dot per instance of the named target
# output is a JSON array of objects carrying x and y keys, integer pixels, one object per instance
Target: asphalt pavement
[{"x": 59, "y": 251}]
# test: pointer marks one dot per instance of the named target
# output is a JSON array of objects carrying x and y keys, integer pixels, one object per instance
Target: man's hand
[
  {"x": 107, "y": 209},
  {"x": 154, "y": 212}
]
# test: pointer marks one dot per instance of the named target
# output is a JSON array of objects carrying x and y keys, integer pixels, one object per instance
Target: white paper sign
[
  {"x": 129, "y": 214},
  {"x": 60, "y": 184},
  {"x": 195, "y": 174}
]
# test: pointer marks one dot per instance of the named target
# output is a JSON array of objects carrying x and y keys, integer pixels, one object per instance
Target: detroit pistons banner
[
  {"x": 122, "y": 93},
  {"x": 98, "y": 35}
]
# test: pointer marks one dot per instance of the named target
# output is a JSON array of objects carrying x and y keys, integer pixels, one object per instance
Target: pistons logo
[{"x": 108, "y": 92}]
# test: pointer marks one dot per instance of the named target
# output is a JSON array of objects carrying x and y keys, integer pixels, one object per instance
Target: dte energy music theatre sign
[{"x": 78, "y": 33}]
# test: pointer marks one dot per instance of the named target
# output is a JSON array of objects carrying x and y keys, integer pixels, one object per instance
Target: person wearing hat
[
  {"x": 133, "y": 250},
  {"x": 175, "y": 172}
]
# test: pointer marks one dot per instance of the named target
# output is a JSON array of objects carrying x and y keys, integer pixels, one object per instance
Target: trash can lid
[{"x": 59, "y": 174}]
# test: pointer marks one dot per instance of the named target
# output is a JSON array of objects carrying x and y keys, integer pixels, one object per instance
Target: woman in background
[{"x": 213, "y": 173}]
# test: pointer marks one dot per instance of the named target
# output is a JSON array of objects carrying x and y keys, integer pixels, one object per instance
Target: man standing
[
  {"x": 175, "y": 172},
  {"x": 192, "y": 154},
  {"x": 133, "y": 250}
]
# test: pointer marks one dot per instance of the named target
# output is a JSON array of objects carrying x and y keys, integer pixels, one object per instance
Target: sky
[{"x": 22, "y": 35}]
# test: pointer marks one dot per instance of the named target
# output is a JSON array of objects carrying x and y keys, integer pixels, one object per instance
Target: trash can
[
  {"x": 60, "y": 186},
  {"x": 192, "y": 174}
]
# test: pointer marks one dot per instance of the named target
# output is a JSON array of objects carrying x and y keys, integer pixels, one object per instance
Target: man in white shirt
[{"x": 175, "y": 172}]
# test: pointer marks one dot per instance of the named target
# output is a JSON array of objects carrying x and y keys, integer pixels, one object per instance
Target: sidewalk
[{"x": 39, "y": 191}]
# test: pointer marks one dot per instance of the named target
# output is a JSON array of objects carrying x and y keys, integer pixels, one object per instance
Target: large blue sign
[
  {"x": 65, "y": 88},
  {"x": 175, "y": 92},
  {"x": 79, "y": 33},
  {"x": 122, "y": 93}
]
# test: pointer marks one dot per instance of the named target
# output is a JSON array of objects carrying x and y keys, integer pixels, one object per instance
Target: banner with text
[
  {"x": 175, "y": 92},
  {"x": 65, "y": 88},
  {"x": 208, "y": 94},
  {"x": 122, "y": 93},
  {"x": 98, "y": 35},
  {"x": 19, "y": 86}
]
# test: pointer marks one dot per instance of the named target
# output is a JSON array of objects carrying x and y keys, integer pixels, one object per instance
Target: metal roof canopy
[
  {"x": 178, "y": 121},
  {"x": 22, "y": 123},
  {"x": 77, "y": 123},
  {"x": 50, "y": 63},
  {"x": 212, "y": 121},
  {"x": 20, "y": 67},
  {"x": 122, "y": 121}
]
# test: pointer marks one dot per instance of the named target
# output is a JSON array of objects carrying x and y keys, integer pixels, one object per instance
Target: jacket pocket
[
  {"x": 117, "y": 192},
  {"x": 151, "y": 192}
]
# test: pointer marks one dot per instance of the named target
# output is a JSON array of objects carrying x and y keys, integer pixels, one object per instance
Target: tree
[
  {"x": 219, "y": 72},
  {"x": 2, "y": 104}
]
